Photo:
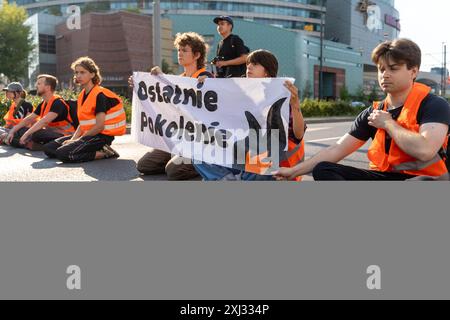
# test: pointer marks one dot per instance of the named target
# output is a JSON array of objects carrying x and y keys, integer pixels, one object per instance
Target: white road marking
[
  {"x": 317, "y": 129},
  {"x": 323, "y": 140}
]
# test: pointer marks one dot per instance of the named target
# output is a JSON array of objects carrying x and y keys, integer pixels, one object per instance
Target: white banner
[{"x": 229, "y": 122}]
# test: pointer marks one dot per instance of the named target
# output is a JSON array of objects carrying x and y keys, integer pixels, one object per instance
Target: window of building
[{"x": 47, "y": 44}]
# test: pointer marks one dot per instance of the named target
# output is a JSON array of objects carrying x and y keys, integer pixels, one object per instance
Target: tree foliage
[{"x": 15, "y": 41}]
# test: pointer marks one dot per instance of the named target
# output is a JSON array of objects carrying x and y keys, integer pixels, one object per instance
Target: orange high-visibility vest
[
  {"x": 196, "y": 74},
  {"x": 397, "y": 160},
  {"x": 295, "y": 155},
  {"x": 115, "y": 120},
  {"x": 10, "y": 121},
  {"x": 64, "y": 126}
]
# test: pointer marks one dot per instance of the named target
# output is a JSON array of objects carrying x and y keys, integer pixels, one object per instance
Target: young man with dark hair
[
  {"x": 264, "y": 64},
  {"x": 408, "y": 129},
  {"x": 52, "y": 116},
  {"x": 231, "y": 52}
]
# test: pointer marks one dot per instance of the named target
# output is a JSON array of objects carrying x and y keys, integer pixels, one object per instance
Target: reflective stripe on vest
[
  {"x": 64, "y": 126},
  {"x": 397, "y": 160},
  {"x": 107, "y": 117},
  {"x": 115, "y": 118},
  {"x": 259, "y": 164}
]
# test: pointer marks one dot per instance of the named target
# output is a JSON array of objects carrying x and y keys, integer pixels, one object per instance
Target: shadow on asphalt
[
  {"x": 6, "y": 151},
  {"x": 109, "y": 169},
  {"x": 161, "y": 177}
]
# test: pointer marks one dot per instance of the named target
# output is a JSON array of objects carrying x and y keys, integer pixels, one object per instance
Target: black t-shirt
[
  {"x": 433, "y": 109},
  {"x": 57, "y": 107},
  {"x": 103, "y": 103},
  {"x": 25, "y": 109},
  {"x": 230, "y": 48}
]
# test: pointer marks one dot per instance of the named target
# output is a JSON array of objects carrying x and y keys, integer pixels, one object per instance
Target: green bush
[
  {"x": 310, "y": 107},
  {"x": 316, "y": 108},
  {"x": 66, "y": 94}
]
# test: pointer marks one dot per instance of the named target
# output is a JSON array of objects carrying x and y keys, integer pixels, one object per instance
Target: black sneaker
[{"x": 109, "y": 152}]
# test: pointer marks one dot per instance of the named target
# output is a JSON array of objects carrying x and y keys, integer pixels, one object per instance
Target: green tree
[
  {"x": 373, "y": 96},
  {"x": 166, "y": 67},
  {"x": 15, "y": 41},
  {"x": 360, "y": 95},
  {"x": 96, "y": 7},
  {"x": 344, "y": 94},
  {"x": 307, "y": 93}
]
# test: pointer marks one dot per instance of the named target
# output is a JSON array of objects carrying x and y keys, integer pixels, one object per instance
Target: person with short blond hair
[{"x": 51, "y": 119}]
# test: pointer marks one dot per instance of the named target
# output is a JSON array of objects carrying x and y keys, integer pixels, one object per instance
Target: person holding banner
[
  {"x": 192, "y": 52},
  {"x": 101, "y": 117},
  {"x": 408, "y": 129},
  {"x": 263, "y": 64}
]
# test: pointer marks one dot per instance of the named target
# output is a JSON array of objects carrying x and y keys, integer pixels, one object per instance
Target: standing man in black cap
[{"x": 231, "y": 51}]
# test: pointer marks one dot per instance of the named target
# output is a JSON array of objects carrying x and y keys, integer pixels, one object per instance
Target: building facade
[
  {"x": 298, "y": 53},
  {"x": 362, "y": 25},
  {"x": 43, "y": 56},
  {"x": 289, "y": 28},
  {"x": 290, "y": 14}
]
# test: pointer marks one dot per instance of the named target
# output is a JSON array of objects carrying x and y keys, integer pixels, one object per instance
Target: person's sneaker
[{"x": 110, "y": 152}]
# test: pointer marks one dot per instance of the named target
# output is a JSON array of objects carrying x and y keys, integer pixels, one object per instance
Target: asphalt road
[{"x": 24, "y": 165}]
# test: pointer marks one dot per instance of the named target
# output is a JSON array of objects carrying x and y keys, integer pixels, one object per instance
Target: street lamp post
[
  {"x": 156, "y": 33},
  {"x": 321, "y": 51},
  {"x": 445, "y": 76}
]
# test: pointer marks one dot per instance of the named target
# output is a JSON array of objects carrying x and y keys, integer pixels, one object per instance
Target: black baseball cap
[{"x": 223, "y": 18}]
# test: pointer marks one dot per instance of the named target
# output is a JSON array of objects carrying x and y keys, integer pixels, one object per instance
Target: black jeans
[
  {"x": 15, "y": 141},
  {"x": 82, "y": 150},
  {"x": 46, "y": 135},
  {"x": 327, "y": 171}
]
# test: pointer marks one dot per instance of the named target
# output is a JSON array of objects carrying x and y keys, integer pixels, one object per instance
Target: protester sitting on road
[
  {"x": 18, "y": 110},
  {"x": 408, "y": 129},
  {"x": 263, "y": 64},
  {"x": 53, "y": 115},
  {"x": 192, "y": 53},
  {"x": 101, "y": 117}
]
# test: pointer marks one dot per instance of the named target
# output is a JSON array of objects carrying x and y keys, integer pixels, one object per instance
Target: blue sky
[{"x": 427, "y": 23}]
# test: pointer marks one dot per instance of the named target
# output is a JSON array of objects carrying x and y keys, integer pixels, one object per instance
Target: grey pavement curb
[{"x": 307, "y": 120}]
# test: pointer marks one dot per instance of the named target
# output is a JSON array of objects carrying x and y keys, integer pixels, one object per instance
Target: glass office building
[{"x": 289, "y": 14}]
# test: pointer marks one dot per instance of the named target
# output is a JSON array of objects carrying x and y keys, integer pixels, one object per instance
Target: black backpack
[
  {"x": 243, "y": 68},
  {"x": 73, "y": 112}
]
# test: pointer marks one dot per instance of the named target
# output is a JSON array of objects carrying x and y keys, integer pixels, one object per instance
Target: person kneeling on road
[
  {"x": 192, "y": 51},
  {"x": 18, "y": 110},
  {"x": 53, "y": 115},
  {"x": 101, "y": 116}
]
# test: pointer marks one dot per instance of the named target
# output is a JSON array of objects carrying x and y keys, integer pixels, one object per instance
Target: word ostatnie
[{"x": 176, "y": 95}]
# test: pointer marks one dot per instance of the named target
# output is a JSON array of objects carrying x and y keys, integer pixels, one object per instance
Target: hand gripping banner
[{"x": 238, "y": 123}]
